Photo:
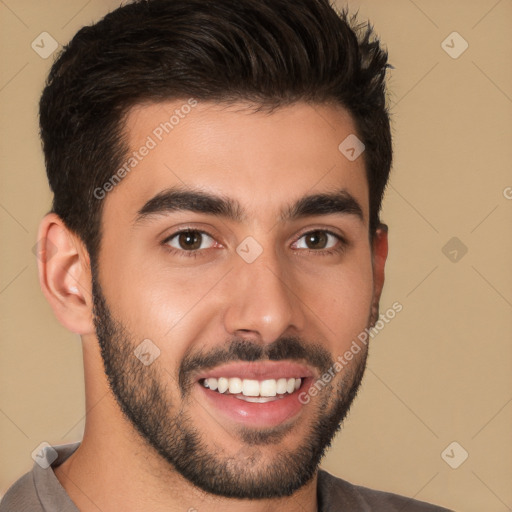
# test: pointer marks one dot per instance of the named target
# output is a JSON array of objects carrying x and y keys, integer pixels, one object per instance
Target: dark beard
[{"x": 143, "y": 396}]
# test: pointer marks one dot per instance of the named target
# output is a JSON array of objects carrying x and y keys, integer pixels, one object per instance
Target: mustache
[{"x": 286, "y": 348}]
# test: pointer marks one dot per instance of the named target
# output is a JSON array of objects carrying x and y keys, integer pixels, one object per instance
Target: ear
[
  {"x": 379, "y": 256},
  {"x": 64, "y": 274}
]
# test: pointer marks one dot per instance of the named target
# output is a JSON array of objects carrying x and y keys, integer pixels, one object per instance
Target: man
[{"x": 218, "y": 170}]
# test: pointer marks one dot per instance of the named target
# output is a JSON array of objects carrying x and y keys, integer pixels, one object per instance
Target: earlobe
[
  {"x": 64, "y": 274},
  {"x": 379, "y": 255}
]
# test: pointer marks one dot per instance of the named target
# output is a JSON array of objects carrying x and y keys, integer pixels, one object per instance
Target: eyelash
[{"x": 339, "y": 248}]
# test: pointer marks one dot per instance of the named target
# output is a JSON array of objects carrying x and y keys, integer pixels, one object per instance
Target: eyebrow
[{"x": 180, "y": 198}]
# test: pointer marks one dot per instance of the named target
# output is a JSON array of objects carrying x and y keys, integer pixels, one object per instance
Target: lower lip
[{"x": 267, "y": 414}]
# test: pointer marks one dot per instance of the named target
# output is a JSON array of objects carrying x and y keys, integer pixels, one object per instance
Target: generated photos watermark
[
  {"x": 151, "y": 142},
  {"x": 356, "y": 347}
]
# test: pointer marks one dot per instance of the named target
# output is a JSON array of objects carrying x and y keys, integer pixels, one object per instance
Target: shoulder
[
  {"x": 334, "y": 493},
  {"x": 39, "y": 490},
  {"x": 21, "y": 496}
]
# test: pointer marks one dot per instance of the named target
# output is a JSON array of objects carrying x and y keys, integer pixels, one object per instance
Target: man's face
[{"x": 264, "y": 301}]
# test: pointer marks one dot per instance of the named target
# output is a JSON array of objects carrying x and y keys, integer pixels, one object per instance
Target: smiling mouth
[
  {"x": 252, "y": 390},
  {"x": 257, "y": 393}
]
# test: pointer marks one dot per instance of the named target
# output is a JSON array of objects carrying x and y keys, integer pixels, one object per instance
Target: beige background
[{"x": 440, "y": 371}]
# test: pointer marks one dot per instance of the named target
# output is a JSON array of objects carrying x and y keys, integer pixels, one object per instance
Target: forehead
[{"x": 262, "y": 160}]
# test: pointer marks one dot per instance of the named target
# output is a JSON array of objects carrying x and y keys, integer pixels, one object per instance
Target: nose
[{"x": 263, "y": 301}]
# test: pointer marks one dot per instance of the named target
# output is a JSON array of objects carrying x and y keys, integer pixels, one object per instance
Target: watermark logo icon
[
  {"x": 44, "y": 247},
  {"x": 454, "y": 45},
  {"x": 351, "y": 147},
  {"x": 44, "y": 45},
  {"x": 249, "y": 249},
  {"x": 454, "y": 455},
  {"x": 44, "y": 455},
  {"x": 454, "y": 250},
  {"x": 146, "y": 352}
]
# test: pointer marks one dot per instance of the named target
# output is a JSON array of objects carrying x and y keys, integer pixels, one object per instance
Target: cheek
[
  {"x": 341, "y": 299},
  {"x": 155, "y": 301}
]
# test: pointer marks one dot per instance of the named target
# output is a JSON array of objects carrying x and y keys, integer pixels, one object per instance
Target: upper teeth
[{"x": 249, "y": 387}]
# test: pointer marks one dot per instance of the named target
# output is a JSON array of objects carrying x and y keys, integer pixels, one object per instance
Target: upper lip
[{"x": 259, "y": 370}]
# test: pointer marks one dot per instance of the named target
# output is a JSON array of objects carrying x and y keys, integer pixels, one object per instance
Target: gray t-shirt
[{"x": 39, "y": 490}]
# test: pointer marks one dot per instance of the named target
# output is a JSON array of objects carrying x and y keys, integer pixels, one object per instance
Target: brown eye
[
  {"x": 190, "y": 240},
  {"x": 318, "y": 240}
]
